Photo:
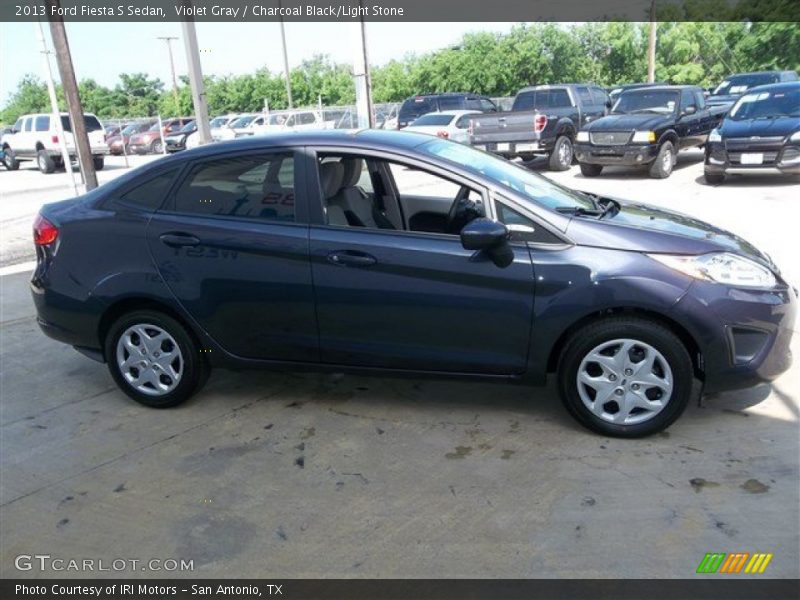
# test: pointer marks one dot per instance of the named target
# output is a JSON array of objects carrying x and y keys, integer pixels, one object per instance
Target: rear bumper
[
  {"x": 626, "y": 155},
  {"x": 516, "y": 149},
  {"x": 744, "y": 335}
]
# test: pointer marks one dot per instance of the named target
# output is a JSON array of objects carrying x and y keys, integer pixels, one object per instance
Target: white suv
[{"x": 35, "y": 137}]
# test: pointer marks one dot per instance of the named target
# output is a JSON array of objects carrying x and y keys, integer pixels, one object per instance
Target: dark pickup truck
[
  {"x": 542, "y": 121},
  {"x": 647, "y": 127}
]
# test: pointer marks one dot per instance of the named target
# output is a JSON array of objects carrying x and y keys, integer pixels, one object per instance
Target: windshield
[
  {"x": 767, "y": 105},
  {"x": 532, "y": 186},
  {"x": 191, "y": 126},
  {"x": 218, "y": 122},
  {"x": 739, "y": 84},
  {"x": 91, "y": 122},
  {"x": 242, "y": 121},
  {"x": 433, "y": 119},
  {"x": 415, "y": 107},
  {"x": 662, "y": 102}
]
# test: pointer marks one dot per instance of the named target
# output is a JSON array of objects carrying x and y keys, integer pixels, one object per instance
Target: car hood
[
  {"x": 723, "y": 99},
  {"x": 781, "y": 126},
  {"x": 641, "y": 121},
  {"x": 643, "y": 228}
]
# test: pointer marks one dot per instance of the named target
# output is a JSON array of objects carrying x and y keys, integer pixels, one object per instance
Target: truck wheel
[
  {"x": 625, "y": 376},
  {"x": 99, "y": 163},
  {"x": 714, "y": 178},
  {"x": 45, "y": 162},
  {"x": 588, "y": 170},
  {"x": 10, "y": 160},
  {"x": 664, "y": 162},
  {"x": 154, "y": 359},
  {"x": 561, "y": 156}
]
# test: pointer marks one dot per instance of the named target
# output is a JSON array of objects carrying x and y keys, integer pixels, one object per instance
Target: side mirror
[
  {"x": 689, "y": 110},
  {"x": 491, "y": 237}
]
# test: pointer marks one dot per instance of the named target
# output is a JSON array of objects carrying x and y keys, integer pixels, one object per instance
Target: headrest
[
  {"x": 352, "y": 171},
  {"x": 331, "y": 175}
]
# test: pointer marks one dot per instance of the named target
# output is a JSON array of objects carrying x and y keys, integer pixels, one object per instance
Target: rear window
[
  {"x": 433, "y": 119},
  {"x": 91, "y": 122},
  {"x": 416, "y": 107},
  {"x": 451, "y": 102},
  {"x": 739, "y": 84},
  {"x": 554, "y": 98},
  {"x": 42, "y": 123}
]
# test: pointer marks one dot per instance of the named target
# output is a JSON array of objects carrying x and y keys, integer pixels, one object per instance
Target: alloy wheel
[
  {"x": 625, "y": 381},
  {"x": 149, "y": 359}
]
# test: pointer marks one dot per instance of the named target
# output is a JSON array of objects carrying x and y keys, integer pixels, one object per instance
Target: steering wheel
[{"x": 459, "y": 207}]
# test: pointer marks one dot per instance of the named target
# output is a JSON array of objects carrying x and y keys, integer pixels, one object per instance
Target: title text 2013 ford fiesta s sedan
[{"x": 391, "y": 252}]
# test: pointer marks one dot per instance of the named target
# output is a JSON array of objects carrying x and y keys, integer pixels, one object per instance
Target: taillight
[
  {"x": 442, "y": 134},
  {"x": 54, "y": 139},
  {"x": 44, "y": 232},
  {"x": 539, "y": 122}
]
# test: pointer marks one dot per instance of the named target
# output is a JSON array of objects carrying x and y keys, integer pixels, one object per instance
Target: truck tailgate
[{"x": 503, "y": 127}]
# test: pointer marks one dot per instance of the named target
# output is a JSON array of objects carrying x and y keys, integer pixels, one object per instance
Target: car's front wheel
[
  {"x": 664, "y": 163},
  {"x": 10, "y": 160},
  {"x": 589, "y": 170},
  {"x": 157, "y": 147},
  {"x": 99, "y": 162},
  {"x": 625, "y": 376},
  {"x": 714, "y": 178},
  {"x": 154, "y": 359}
]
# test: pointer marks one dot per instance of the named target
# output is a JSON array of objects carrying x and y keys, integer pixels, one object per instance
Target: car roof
[
  {"x": 769, "y": 72},
  {"x": 452, "y": 112},
  {"x": 775, "y": 87},
  {"x": 655, "y": 88}
]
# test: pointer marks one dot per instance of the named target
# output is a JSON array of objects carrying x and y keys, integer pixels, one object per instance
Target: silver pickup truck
[{"x": 542, "y": 121}]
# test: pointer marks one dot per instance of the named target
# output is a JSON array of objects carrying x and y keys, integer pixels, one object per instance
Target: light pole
[
  {"x": 196, "y": 81},
  {"x": 285, "y": 61},
  {"x": 168, "y": 39},
  {"x": 651, "y": 45}
]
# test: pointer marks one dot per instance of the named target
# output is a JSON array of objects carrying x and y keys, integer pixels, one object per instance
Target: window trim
[
  {"x": 499, "y": 197},
  {"x": 314, "y": 187},
  {"x": 300, "y": 204}
]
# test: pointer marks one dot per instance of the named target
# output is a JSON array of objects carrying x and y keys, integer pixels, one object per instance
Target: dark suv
[
  {"x": 398, "y": 253},
  {"x": 416, "y": 106}
]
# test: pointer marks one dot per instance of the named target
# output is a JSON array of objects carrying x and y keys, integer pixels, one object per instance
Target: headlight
[
  {"x": 720, "y": 267},
  {"x": 583, "y": 136},
  {"x": 714, "y": 136},
  {"x": 644, "y": 136},
  {"x": 795, "y": 137}
]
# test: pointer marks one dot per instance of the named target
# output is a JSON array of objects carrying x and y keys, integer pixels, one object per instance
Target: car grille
[
  {"x": 610, "y": 138},
  {"x": 735, "y": 158},
  {"x": 754, "y": 144}
]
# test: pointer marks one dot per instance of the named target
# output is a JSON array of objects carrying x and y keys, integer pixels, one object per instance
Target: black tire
[
  {"x": 45, "y": 162},
  {"x": 714, "y": 178},
  {"x": 562, "y": 154},
  {"x": 10, "y": 160},
  {"x": 588, "y": 170},
  {"x": 99, "y": 162},
  {"x": 642, "y": 330},
  {"x": 665, "y": 161},
  {"x": 156, "y": 147},
  {"x": 195, "y": 369}
]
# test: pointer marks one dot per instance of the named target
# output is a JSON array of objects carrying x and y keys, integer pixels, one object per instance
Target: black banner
[
  {"x": 404, "y": 589},
  {"x": 398, "y": 10}
]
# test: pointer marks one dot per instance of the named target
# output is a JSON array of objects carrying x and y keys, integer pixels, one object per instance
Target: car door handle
[
  {"x": 176, "y": 240},
  {"x": 349, "y": 258}
]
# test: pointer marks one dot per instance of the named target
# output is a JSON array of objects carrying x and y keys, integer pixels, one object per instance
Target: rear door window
[
  {"x": 585, "y": 96},
  {"x": 258, "y": 187},
  {"x": 149, "y": 195}
]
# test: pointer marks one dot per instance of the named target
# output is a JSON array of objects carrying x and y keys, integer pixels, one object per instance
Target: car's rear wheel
[
  {"x": 625, "y": 376},
  {"x": 588, "y": 170},
  {"x": 45, "y": 162},
  {"x": 10, "y": 160},
  {"x": 99, "y": 163},
  {"x": 714, "y": 178},
  {"x": 154, "y": 359},
  {"x": 561, "y": 156},
  {"x": 664, "y": 163}
]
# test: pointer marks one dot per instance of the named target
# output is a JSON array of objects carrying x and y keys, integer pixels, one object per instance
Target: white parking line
[{"x": 20, "y": 268}]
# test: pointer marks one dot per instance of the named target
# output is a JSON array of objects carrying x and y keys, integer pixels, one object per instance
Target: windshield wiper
[{"x": 581, "y": 211}]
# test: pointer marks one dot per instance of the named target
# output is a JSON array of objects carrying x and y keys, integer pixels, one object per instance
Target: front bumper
[
  {"x": 743, "y": 335},
  {"x": 627, "y": 155},
  {"x": 722, "y": 157}
]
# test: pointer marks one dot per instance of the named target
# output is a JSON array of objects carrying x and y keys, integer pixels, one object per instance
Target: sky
[{"x": 101, "y": 51}]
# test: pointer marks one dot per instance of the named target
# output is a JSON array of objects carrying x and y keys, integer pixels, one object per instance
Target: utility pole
[
  {"x": 651, "y": 45},
  {"x": 285, "y": 61},
  {"x": 56, "y": 116},
  {"x": 196, "y": 81},
  {"x": 168, "y": 39},
  {"x": 70, "y": 85},
  {"x": 367, "y": 78}
]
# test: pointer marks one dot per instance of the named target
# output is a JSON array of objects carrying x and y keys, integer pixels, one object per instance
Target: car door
[
  {"x": 589, "y": 109},
  {"x": 231, "y": 244},
  {"x": 688, "y": 126},
  {"x": 395, "y": 298}
]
